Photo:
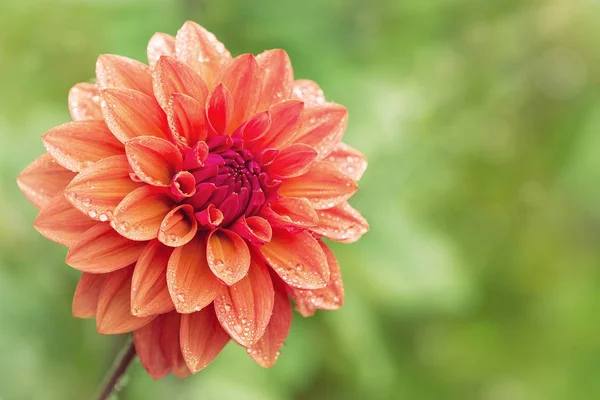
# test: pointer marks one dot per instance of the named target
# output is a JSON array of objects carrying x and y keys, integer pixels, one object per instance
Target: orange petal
[
  {"x": 97, "y": 190},
  {"x": 171, "y": 345},
  {"x": 186, "y": 119},
  {"x": 341, "y": 223},
  {"x": 114, "y": 71},
  {"x": 62, "y": 223},
  {"x": 242, "y": 78},
  {"x": 100, "y": 249},
  {"x": 149, "y": 291},
  {"x": 78, "y": 145},
  {"x": 290, "y": 211},
  {"x": 129, "y": 113},
  {"x": 277, "y": 77},
  {"x": 43, "y": 179},
  {"x": 202, "y": 338},
  {"x": 293, "y": 160},
  {"x": 219, "y": 109},
  {"x": 179, "y": 226},
  {"x": 297, "y": 258},
  {"x": 201, "y": 50},
  {"x": 328, "y": 298},
  {"x": 256, "y": 230},
  {"x": 228, "y": 255},
  {"x": 322, "y": 127},
  {"x": 266, "y": 350},
  {"x": 244, "y": 309},
  {"x": 87, "y": 292},
  {"x": 172, "y": 76},
  {"x": 323, "y": 185},
  {"x": 284, "y": 119},
  {"x": 139, "y": 215},
  {"x": 191, "y": 283},
  {"x": 348, "y": 160},
  {"x": 160, "y": 44},
  {"x": 154, "y": 160},
  {"x": 84, "y": 102},
  {"x": 147, "y": 342},
  {"x": 113, "y": 315},
  {"x": 254, "y": 128},
  {"x": 308, "y": 92}
]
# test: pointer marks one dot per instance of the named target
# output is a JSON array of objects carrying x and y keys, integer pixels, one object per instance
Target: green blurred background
[{"x": 480, "y": 278}]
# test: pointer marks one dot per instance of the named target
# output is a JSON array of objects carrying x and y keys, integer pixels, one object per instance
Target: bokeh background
[{"x": 480, "y": 278}]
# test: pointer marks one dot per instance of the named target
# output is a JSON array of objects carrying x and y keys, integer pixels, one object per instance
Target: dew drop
[
  {"x": 85, "y": 202},
  {"x": 227, "y": 307},
  {"x": 181, "y": 297},
  {"x": 92, "y": 213},
  {"x": 103, "y": 217},
  {"x": 237, "y": 328},
  {"x": 197, "y": 308},
  {"x": 218, "y": 264}
]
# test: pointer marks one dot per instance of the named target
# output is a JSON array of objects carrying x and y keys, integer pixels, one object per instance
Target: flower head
[{"x": 193, "y": 193}]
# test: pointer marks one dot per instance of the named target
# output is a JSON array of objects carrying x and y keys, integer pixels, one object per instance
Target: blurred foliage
[{"x": 480, "y": 278}]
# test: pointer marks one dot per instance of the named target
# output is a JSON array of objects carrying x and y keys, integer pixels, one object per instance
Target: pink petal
[
  {"x": 160, "y": 44},
  {"x": 219, "y": 109},
  {"x": 284, "y": 120},
  {"x": 341, "y": 223},
  {"x": 290, "y": 211},
  {"x": 191, "y": 283},
  {"x": 154, "y": 160},
  {"x": 322, "y": 127},
  {"x": 100, "y": 250},
  {"x": 255, "y": 230},
  {"x": 114, "y": 71},
  {"x": 87, "y": 292},
  {"x": 84, "y": 102},
  {"x": 187, "y": 120},
  {"x": 172, "y": 76},
  {"x": 277, "y": 77},
  {"x": 228, "y": 256},
  {"x": 179, "y": 226},
  {"x": 293, "y": 160},
  {"x": 149, "y": 291},
  {"x": 308, "y": 92},
  {"x": 348, "y": 160},
  {"x": 297, "y": 258}
]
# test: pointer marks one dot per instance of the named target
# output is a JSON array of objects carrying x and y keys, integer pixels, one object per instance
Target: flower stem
[{"x": 121, "y": 364}]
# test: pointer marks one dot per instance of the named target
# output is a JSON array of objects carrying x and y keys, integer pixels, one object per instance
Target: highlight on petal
[
  {"x": 323, "y": 186},
  {"x": 285, "y": 117},
  {"x": 129, "y": 114},
  {"x": 154, "y": 160},
  {"x": 160, "y": 44},
  {"x": 348, "y": 160},
  {"x": 293, "y": 160},
  {"x": 179, "y": 226},
  {"x": 277, "y": 77},
  {"x": 322, "y": 127},
  {"x": 122, "y": 72},
  {"x": 202, "y": 338},
  {"x": 97, "y": 190},
  {"x": 242, "y": 78},
  {"x": 187, "y": 120},
  {"x": 78, "y": 145},
  {"x": 84, "y": 102},
  {"x": 172, "y": 76},
  {"x": 290, "y": 211},
  {"x": 191, "y": 283},
  {"x": 266, "y": 350},
  {"x": 62, "y": 223},
  {"x": 113, "y": 315},
  {"x": 140, "y": 214},
  {"x": 87, "y": 292},
  {"x": 228, "y": 255},
  {"x": 100, "y": 250},
  {"x": 330, "y": 297},
  {"x": 201, "y": 50},
  {"x": 308, "y": 92},
  {"x": 255, "y": 230},
  {"x": 341, "y": 223},
  {"x": 43, "y": 179},
  {"x": 297, "y": 258},
  {"x": 149, "y": 291}
]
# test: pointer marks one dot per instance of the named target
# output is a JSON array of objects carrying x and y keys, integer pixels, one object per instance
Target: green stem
[{"x": 122, "y": 362}]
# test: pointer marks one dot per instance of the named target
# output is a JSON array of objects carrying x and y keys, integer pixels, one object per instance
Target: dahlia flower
[{"x": 194, "y": 194}]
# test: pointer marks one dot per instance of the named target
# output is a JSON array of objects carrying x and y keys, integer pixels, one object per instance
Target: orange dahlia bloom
[{"x": 194, "y": 194}]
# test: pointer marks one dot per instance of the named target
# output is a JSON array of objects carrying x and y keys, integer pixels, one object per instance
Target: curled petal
[
  {"x": 154, "y": 160},
  {"x": 293, "y": 160},
  {"x": 187, "y": 120},
  {"x": 129, "y": 113},
  {"x": 78, "y": 145},
  {"x": 179, "y": 226},
  {"x": 191, "y": 283},
  {"x": 290, "y": 211},
  {"x": 285, "y": 117},
  {"x": 160, "y": 44},
  {"x": 297, "y": 258},
  {"x": 219, "y": 109},
  {"x": 84, "y": 102},
  {"x": 97, "y": 190},
  {"x": 322, "y": 127},
  {"x": 113, "y": 315},
  {"x": 87, "y": 292},
  {"x": 183, "y": 185},
  {"x": 348, "y": 160},
  {"x": 277, "y": 77},
  {"x": 43, "y": 179},
  {"x": 202, "y": 338},
  {"x": 172, "y": 76},
  {"x": 308, "y": 92},
  {"x": 266, "y": 350},
  {"x": 62, "y": 223},
  {"x": 122, "y": 72},
  {"x": 244, "y": 309},
  {"x": 228, "y": 256},
  {"x": 140, "y": 214},
  {"x": 255, "y": 230},
  {"x": 255, "y": 127},
  {"x": 210, "y": 217},
  {"x": 323, "y": 185},
  {"x": 341, "y": 223},
  {"x": 149, "y": 291},
  {"x": 100, "y": 250},
  {"x": 201, "y": 50}
]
